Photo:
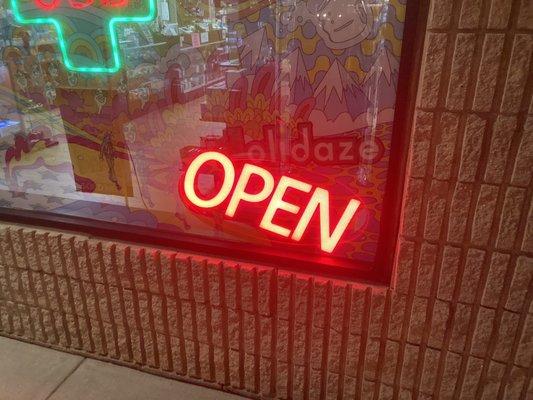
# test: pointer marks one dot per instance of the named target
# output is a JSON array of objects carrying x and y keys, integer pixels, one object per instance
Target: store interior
[
  {"x": 306, "y": 87},
  {"x": 175, "y": 64}
]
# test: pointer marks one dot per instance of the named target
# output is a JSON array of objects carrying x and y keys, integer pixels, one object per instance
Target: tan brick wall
[{"x": 458, "y": 322}]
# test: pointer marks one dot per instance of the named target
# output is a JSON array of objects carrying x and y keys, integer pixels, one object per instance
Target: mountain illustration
[
  {"x": 255, "y": 48},
  {"x": 339, "y": 93},
  {"x": 293, "y": 75},
  {"x": 380, "y": 83}
]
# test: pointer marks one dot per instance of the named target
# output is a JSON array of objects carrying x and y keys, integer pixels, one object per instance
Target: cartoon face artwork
[{"x": 340, "y": 23}]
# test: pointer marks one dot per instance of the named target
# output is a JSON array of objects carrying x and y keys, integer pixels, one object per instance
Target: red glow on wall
[{"x": 257, "y": 186}]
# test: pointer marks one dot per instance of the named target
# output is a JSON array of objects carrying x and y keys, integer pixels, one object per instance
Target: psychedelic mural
[{"x": 305, "y": 87}]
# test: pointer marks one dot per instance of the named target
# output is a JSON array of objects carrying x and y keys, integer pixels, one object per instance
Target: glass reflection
[{"x": 307, "y": 88}]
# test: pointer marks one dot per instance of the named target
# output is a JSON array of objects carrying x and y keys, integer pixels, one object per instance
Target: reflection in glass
[{"x": 303, "y": 88}]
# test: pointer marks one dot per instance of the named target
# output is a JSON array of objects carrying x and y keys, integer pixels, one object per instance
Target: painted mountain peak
[
  {"x": 293, "y": 73},
  {"x": 254, "y": 48},
  {"x": 379, "y": 84},
  {"x": 338, "y": 93},
  {"x": 386, "y": 66}
]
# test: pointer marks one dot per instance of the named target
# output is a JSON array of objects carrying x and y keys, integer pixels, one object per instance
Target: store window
[{"x": 257, "y": 129}]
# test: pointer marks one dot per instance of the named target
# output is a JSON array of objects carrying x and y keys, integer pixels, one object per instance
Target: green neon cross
[{"x": 94, "y": 25}]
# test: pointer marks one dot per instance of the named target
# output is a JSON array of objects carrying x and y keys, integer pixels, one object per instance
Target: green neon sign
[{"x": 86, "y": 31}]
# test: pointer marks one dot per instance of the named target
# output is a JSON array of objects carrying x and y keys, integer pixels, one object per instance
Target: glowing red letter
[
  {"x": 192, "y": 171},
  {"x": 320, "y": 200},
  {"x": 240, "y": 189},
  {"x": 277, "y": 203}
]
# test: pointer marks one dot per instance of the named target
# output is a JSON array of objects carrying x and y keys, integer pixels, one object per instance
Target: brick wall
[{"x": 458, "y": 322}]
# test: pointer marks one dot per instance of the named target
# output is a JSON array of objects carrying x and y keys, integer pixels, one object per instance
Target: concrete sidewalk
[{"x": 30, "y": 372}]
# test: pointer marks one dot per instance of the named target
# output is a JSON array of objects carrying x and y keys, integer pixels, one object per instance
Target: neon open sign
[
  {"x": 232, "y": 195},
  {"x": 86, "y": 29}
]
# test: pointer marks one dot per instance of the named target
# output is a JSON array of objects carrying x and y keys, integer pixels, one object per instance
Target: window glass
[{"x": 260, "y": 124}]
